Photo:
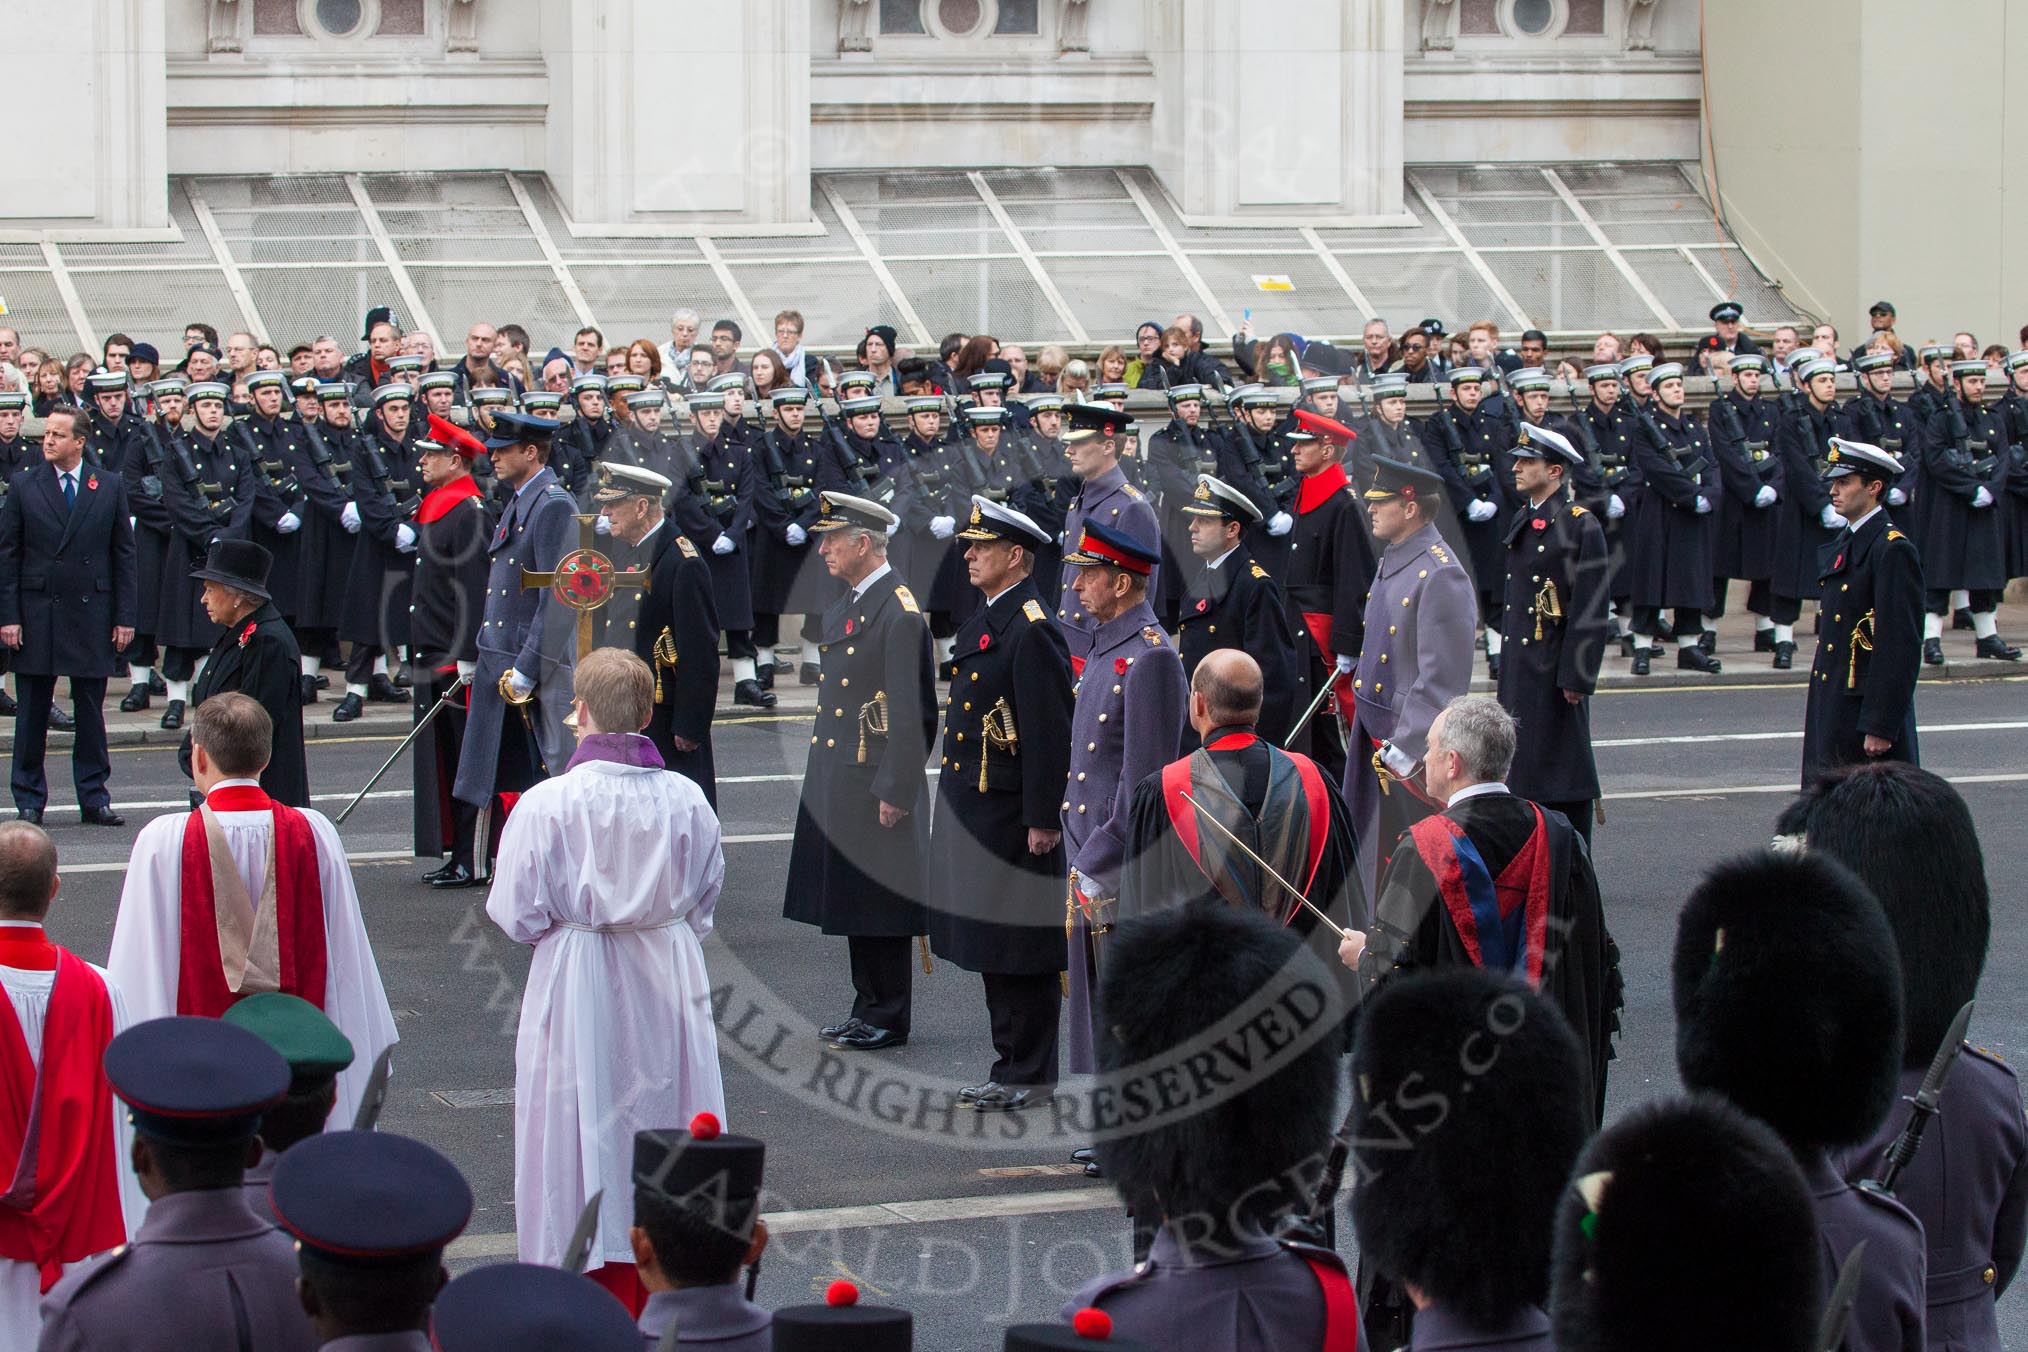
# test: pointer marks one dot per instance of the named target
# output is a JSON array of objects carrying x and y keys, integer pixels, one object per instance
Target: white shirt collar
[
  {"x": 1215, "y": 563},
  {"x": 882, "y": 571},
  {"x": 21, "y": 924},
  {"x": 642, "y": 542},
  {"x": 1002, "y": 592},
  {"x": 1477, "y": 791},
  {"x": 1854, "y": 526}
]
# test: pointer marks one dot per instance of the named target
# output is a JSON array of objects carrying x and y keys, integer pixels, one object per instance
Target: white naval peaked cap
[
  {"x": 1215, "y": 497},
  {"x": 1846, "y": 457},
  {"x": 618, "y": 480},
  {"x": 1535, "y": 441}
]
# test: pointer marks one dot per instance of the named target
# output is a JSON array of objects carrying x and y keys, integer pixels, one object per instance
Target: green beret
[{"x": 306, "y": 1039}]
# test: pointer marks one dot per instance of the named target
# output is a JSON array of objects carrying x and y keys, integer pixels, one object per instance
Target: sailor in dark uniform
[
  {"x": 324, "y": 458},
  {"x": 275, "y": 446},
  {"x": 1876, "y": 417},
  {"x": 671, "y": 626},
  {"x": 1742, "y": 427},
  {"x": 1556, "y": 629},
  {"x": 209, "y": 495},
  {"x": 788, "y": 578},
  {"x": 146, "y": 469},
  {"x": 1794, "y": 1013},
  {"x": 1673, "y": 525},
  {"x": 1179, "y": 454},
  {"x": 714, "y": 506},
  {"x": 386, "y": 493},
  {"x": 1963, "y": 531},
  {"x": 1107, "y": 498},
  {"x": 1805, "y": 520},
  {"x": 1230, "y": 601},
  {"x": 862, "y": 827},
  {"x": 1258, "y": 457},
  {"x": 203, "y": 1270},
  {"x": 1604, "y": 426},
  {"x": 16, "y": 454},
  {"x": 996, "y": 870},
  {"x": 1467, "y": 443},
  {"x": 1862, "y": 679},
  {"x": 1910, "y": 836}
]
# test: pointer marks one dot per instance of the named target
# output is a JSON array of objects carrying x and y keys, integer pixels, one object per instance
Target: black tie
[{"x": 69, "y": 491}]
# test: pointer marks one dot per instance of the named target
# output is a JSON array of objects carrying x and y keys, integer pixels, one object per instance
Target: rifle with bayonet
[{"x": 1926, "y": 1104}]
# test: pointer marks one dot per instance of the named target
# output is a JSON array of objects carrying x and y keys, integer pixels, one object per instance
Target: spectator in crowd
[
  {"x": 1049, "y": 364},
  {"x": 479, "y": 370},
  {"x": 1169, "y": 366},
  {"x": 513, "y": 343},
  {"x": 682, "y": 337},
  {"x": 75, "y": 370},
  {"x": 30, "y": 362},
  {"x": 1113, "y": 366},
  {"x": 327, "y": 359},
  {"x": 10, "y": 345},
  {"x": 1147, "y": 348},
  {"x": 1646, "y": 343},
  {"x": 1277, "y": 361},
  {"x": 1995, "y": 357},
  {"x": 1075, "y": 382},
  {"x": 1964, "y": 346},
  {"x": 1376, "y": 354},
  {"x": 1025, "y": 381},
  {"x": 644, "y": 359},
  {"x": 144, "y": 363},
  {"x": 876, "y": 357},
  {"x": 798, "y": 362},
  {"x": 768, "y": 374},
  {"x": 299, "y": 360},
  {"x": 114, "y": 351},
  {"x": 971, "y": 359},
  {"x": 1606, "y": 348},
  {"x": 1825, "y": 339},
  {"x": 585, "y": 347},
  {"x": 516, "y": 366},
  {"x": 267, "y": 358},
  {"x": 1415, "y": 357},
  {"x": 1784, "y": 343},
  {"x": 614, "y": 362},
  {"x": 557, "y": 372},
  {"x": 48, "y": 388}
]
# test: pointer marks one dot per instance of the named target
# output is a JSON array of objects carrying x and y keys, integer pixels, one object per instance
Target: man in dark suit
[
  {"x": 67, "y": 606},
  {"x": 256, "y": 656},
  {"x": 672, "y": 625}
]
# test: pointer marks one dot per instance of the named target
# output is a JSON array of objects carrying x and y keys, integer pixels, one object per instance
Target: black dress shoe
[
  {"x": 172, "y": 717},
  {"x": 1962, "y": 619},
  {"x": 1932, "y": 652},
  {"x": 1084, "y": 1155},
  {"x": 1641, "y": 661},
  {"x": 1493, "y": 666},
  {"x": 1694, "y": 658},
  {"x": 457, "y": 876},
  {"x": 1626, "y": 645},
  {"x": 1994, "y": 646},
  {"x": 8, "y": 708},
  {"x": 157, "y": 686},
  {"x": 103, "y": 815},
  {"x": 1001, "y": 1099},
  {"x": 1785, "y": 656},
  {"x": 1664, "y": 632},
  {"x": 867, "y": 1038},
  {"x": 765, "y": 675},
  {"x": 31, "y": 815},
  {"x": 136, "y": 700},
  {"x": 323, "y": 681},
  {"x": 439, "y": 871},
  {"x": 1707, "y": 642},
  {"x": 748, "y": 692},
  {"x": 61, "y": 721},
  {"x": 404, "y": 676},
  {"x": 838, "y": 1029},
  {"x": 1091, "y": 1169},
  {"x": 1763, "y": 640},
  {"x": 971, "y": 1093},
  {"x": 807, "y": 674},
  {"x": 381, "y": 690},
  {"x": 348, "y": 708}
]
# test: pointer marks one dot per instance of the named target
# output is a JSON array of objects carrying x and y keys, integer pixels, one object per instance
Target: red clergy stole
[
  {"x": 56, "y": 1126},
  {"x": 1290, "y": 831},
  {"x": 1504, "y": 921},
  {"x": 233, "y": 945},
  {"x": 1319, "y": 488}
]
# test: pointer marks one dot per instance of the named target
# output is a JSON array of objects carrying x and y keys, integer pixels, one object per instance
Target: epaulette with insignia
[
  {"x": 1153, "y": 635},
  {"x": 1896, "y": 535},
  {"x": 689, "y": 550},
  {"x": 1131, "y": 491},
  {"x": 1033, "y": 610},
  {"x": 1441, "y": 556},
  {"x": 1576, "y": 510},
  {"x": 907, "y": 599}
]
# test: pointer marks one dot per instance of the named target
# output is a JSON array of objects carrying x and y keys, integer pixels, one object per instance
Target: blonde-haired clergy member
[{"x": 611, "y": 870}]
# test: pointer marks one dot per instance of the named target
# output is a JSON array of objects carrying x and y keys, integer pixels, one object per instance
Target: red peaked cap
[
  {"x": 457, "y": 438},
  {"x": 1325, "y": 427}
]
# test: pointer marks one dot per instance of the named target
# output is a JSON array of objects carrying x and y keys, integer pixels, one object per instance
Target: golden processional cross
[{"x": 584, "y": 580}]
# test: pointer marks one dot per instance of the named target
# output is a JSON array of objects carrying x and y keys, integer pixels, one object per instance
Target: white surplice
[
  {"x": 146, "y": 955},
  {"x": 611, "y": 871},
  {"x": 21, "y": 1283}
]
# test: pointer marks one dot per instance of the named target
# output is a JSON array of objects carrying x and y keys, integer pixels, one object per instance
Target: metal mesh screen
[
  {"x": 1110, "y": 296},
  {"x": 990, "y": 295},
  {"x": 1681, "y": 219},
  {"x": 1762, "y": 302},
  {"x": 1489, "y": 222},
  {"x": 636, "y": 302},
  {"x": 1317, "y": 306},
  {"x": 906, "y": 229},
  {"x": 1571, "y": 289},
  {"x": 1676, "y": 284},
  {"x": 457, "y": 298},
  {"x": 35, "y": 308},
  {"x": 153, "y": 307},
  {"x": 1407, "y": 287},
  {"x": 838, "y": 300},
  {"x": 298, "y": 303}
]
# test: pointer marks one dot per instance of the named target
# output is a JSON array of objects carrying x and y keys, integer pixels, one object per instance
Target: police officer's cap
[
  {"x": 1089, "y": 1330},
  {"x": 1606, "y": 370},
  {"x": 1215, "y": 497},
  {"x": 1529, "y": 378},
  {"x": 369, "y": 1198},
  {"x": 1466, "y": 375},
  {"x": 1668, "y": 370},
  {"x": 539, "y": 401},
  {"x": 1093, "y": 420},
  {"x": 329, "y": 391},
  {"x": 485, "y": 395},
  {"x": 14, "y": 401},
  {"x": 590, "y": 381},
  {"x": 1539, "y": 443},
  {"x": 195, "y": 1081},
  {"x": 305, "y": 1037},
  {"x": 260, "y": 380},
  {"x": 208, "y": 389},
  {"x": 1677, "y": 1200},
  {"x": 993, "y": 521},
  {"x": 923, "y": 403},
  {"x": 703, "y": 1169},
  {"x": 986, "y": 417},
  {"x": 392, "y": 391},
  {"x": 1433, "y": 328},
  {"x": 843, "y": 511},
  {"x": 1393, "y": 479},
  {"x": 1179, "y": 394},
  {"x": 1812, "y": 367},
  {"x": 626, "y": 384},
  {"x": 841, "y": 1324},
  {"x": 731, "y": 380},
  {"x": 992, "y": 380},
  {"x": 520, "y": 1307},
  {"x": 619, "y": 481},
  {"x": 1639, "y": 361},
  {"x": 1971, "y": 367},
  {"x": 408, "y": 361},
  {"x": 1750, "y": 361},
  {"x": 514, "y": 429},
  {"x": 1791, "y": 1011},
  {"x": 438, "y": 380},
  {"x": 1857, "y": 457},
  {"x": 858, "y": 404},
  {"x": 1725, "y": 311}
]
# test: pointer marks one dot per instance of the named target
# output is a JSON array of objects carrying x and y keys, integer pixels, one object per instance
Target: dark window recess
[
  {"x": 1017, "y": 17},
  {"x": 1533, "y": 17},
  {"x": 1479, "y": 18},
  {"x": 276, "y": 19},
  {"x": 401, "y": 18},
  {"x": 960, "y": 18},
  {"x": 1587, "y": 19},
  {"x": 902, "y": 18},
  {"x": 339, "y": 18}
]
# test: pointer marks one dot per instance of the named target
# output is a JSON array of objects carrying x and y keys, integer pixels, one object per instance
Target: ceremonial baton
[
  {"x": 375, "y": 1097},
  {"x": 1265, "y": 867},
  {"x": 578, "y": 1253},
  {"x": 1838, "y": 1312},
  {"x": 1315, "y": 705},
  {"x": 1925, "y": 1105},
  {"x": 414, "y": 733}
]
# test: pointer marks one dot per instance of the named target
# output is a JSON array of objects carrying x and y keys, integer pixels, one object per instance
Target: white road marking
[
  {"x": 1788, "y": 786},
  {"x": 1791, "y": 734}
]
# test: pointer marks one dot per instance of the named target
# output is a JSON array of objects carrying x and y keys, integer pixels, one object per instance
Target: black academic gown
[
  {"x": 1412, "y": 927},
  {"x": 258, "y": 657}
]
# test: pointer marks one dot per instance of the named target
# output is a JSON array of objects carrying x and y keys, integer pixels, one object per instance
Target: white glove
[
  {"x": 1481, "y": 510},
  {"x": 288, "y": 524},
  {"x": 349, "y": 518},
  {"x": 604, "y": 526},
  {"x": 943, "y": 527},
  {"x": 1281, "y": 523},
  {"x": 1831, "y": 519},
  {"x": 404, "y": 538},
  {"x": 1896, "y": 498},
  {"x": 1765, "y": 497},
  {"x": 1615, "y": 509},
  {"x": 1345, "y": 664},
  {"x": 1087, "y": 886},
  {"x": 1703, "y": 506},
  {"x": 723, "y": 544},
  {"x": 1397, "y": 760},
  {"x": 1982, "y": 498},
  {"x": 466, "y": 670},
  {"x": 520, "y": 684},
  {"x": 795, "y": 534}
]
